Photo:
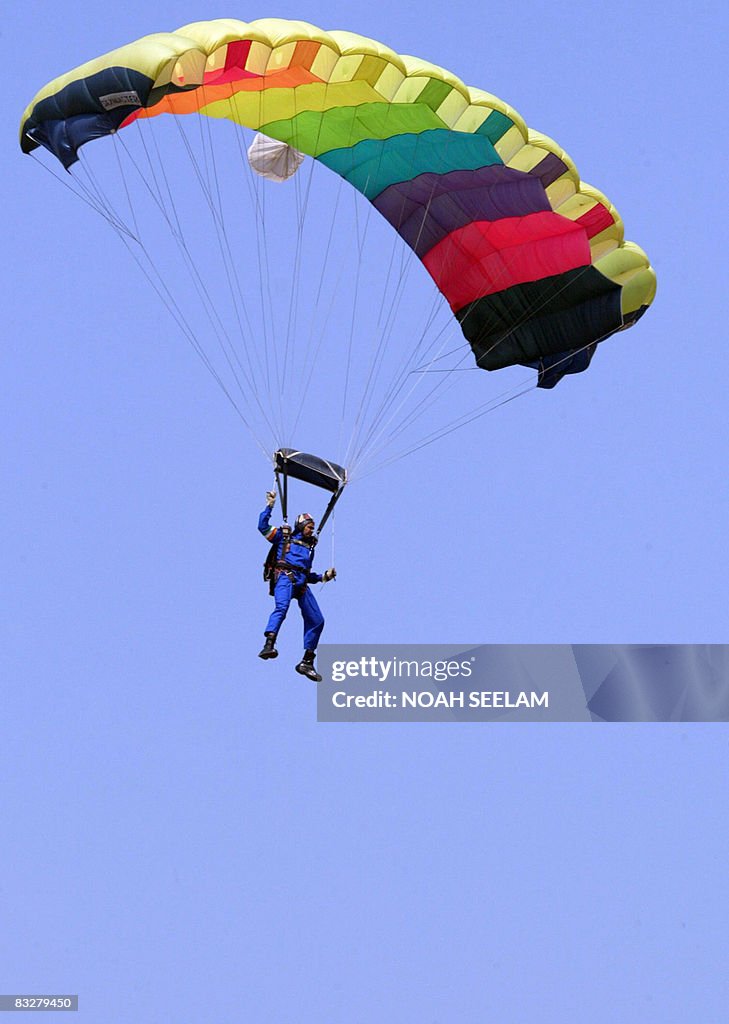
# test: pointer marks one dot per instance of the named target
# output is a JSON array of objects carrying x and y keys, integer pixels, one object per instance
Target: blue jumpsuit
[{"x": 299, "y": 556}]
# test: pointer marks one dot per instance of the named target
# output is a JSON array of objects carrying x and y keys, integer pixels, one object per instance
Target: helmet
[{"x": 302, "y": 520}]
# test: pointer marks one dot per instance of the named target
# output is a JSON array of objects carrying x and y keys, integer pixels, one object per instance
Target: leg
[
  {"x": 313, "y": 619},
  {"x": 282, "y": 596}
]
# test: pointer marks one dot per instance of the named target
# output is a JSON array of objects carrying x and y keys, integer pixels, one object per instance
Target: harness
[{"x": 274, "y": 566}]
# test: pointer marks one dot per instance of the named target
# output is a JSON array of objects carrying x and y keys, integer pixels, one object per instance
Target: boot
[
  {"x": 306, "y": 667},
  {"x": 269, "y": 648}
]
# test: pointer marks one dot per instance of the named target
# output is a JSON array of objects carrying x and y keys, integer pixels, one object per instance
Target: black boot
[
  {"x": 306, "y": 667},
  {"x": 269, "y": 648}
]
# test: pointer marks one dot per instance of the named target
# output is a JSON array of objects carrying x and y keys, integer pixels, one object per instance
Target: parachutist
[{"x": 288, "y": 569}]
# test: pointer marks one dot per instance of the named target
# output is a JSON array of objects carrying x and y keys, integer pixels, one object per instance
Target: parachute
[{"x": 531, "y": 261}]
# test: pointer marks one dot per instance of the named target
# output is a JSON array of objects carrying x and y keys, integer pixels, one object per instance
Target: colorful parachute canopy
[{"x": 531, "y": 259}]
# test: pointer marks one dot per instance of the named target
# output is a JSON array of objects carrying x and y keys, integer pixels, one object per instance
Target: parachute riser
[
  {"x": 330, "y": 508},
  {"x": 283, "y": 496},
  {"x": 282, "y": 492}
]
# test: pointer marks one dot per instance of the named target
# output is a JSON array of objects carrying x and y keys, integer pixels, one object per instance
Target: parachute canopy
[{"x": 532, "y": 261}]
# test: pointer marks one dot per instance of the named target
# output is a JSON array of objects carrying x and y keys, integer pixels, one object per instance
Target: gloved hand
[
  {"x": 330, "y": 574},
  {"x": 270, "y": 498}
]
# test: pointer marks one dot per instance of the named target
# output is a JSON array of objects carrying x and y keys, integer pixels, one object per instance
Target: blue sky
[{"x": 182, "y": 839}]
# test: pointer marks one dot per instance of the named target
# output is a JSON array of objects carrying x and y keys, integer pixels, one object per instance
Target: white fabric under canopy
[{"x": 273, "y": 159}]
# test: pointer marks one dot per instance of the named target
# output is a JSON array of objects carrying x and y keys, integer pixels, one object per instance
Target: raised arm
[{"x": 264, "y": 520}]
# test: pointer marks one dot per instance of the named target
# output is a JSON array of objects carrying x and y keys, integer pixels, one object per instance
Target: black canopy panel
[{"x": 310, "y": 468}]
